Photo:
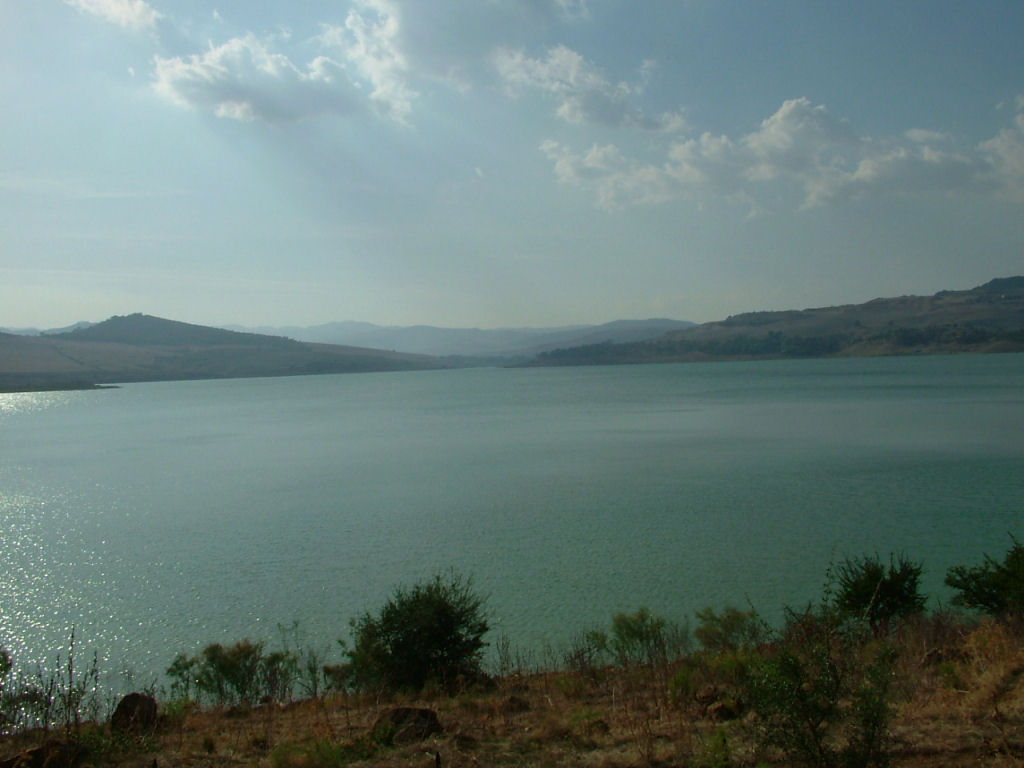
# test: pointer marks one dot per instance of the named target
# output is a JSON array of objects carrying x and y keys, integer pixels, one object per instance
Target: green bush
[
  {"x": 730, "y": 630},
  {"x": 639, "y": 638},
  {"x": 238, "y": 674},
  {"x": 822, "y": 692},
  {"x": 995, "y": 588},
  {"x": 868, "y": 590},
  {"x": 231, "y": 675},
  {"x": 431, "y": 633}
]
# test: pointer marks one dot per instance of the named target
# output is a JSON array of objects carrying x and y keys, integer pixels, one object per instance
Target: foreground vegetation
[{"x": 861, "y": 677}]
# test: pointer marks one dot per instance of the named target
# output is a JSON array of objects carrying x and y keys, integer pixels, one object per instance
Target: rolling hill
[
  {"x": 143, "y": 348},
  {"x": 989, "y": 318},
  {"x": 474, "y": 342}
]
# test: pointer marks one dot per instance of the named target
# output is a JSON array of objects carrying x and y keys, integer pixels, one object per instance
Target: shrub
[
  {"x": 868, "y": 590},
  {"x": 730, "y": 630},
  {"x": 231, "y": 674},
  {"x": 431, "y": 633},
  {"x": 639, "y": 638},
  {"x": 995, "y": 588},
  {"x": 238, "y": 674},
  {"x": 822, "y": 692}
]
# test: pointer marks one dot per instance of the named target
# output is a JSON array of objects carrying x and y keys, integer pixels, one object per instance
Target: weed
[{"x": 586, "y": 652}]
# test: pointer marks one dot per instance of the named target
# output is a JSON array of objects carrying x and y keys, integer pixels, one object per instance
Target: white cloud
[
  {"x": 1005, "y": 155},
  {"x": 130, "y": 14},
  {"x": 712, "y": 162},
  {"x": 799, "y": 140},
  {"x": 803, "y": 146},
  {"x": 603, "y": 170},
  {"x": 245, "y": 80},
  {"x": 910, "y": 169},
  {"x": 584, "y": 94},
  {"x": 369, "y": 41}
]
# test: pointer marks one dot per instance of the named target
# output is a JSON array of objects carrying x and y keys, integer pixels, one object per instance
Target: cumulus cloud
[
  {"x": 583, "y": 92},
  {"x": 369, "y": 42},
  {"x": 245, "y": 80},
  {"x": 803, "y": 146},
  {"x": 130, "y": 14},
  {"x": 1004, "y": 154},
  {"x": 613, "y": 179}
]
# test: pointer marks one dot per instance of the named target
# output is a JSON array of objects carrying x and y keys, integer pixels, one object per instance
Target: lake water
[{"x": 156, "y": 518}]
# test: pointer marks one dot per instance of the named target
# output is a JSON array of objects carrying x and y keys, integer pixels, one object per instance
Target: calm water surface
[{"x": 156, "y": 518}]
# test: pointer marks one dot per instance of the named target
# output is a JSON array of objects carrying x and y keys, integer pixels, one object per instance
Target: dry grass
[{"x": 960, "y": 703}]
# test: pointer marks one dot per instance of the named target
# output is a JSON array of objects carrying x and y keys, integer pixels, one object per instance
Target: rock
[
  {"x": 405, "y": 725},
  {"x": 707, "y": 694},
  {"x": 135, "y": 712}
]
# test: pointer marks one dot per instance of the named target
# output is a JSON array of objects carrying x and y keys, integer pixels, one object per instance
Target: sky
[{"x": 500, "y": 163}]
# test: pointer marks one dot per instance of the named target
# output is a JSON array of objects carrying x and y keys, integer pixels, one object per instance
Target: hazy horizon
[{"x": 537, "y": 163}]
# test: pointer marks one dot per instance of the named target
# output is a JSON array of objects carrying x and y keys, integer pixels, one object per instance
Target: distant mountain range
[
  {"x": 144, "y": 348},
  {"x": 473, "y": 342},
  {"x": 989, "y": 318}
]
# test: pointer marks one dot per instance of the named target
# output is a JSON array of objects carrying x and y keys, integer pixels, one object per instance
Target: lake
[{"x": 156, "y": 518}]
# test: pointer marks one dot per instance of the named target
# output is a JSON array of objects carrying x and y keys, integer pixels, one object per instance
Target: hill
[
  {"x": 143, "y": 348},
  {"x": 989, "y": 318},
  {"x": 475, "y": 342}
]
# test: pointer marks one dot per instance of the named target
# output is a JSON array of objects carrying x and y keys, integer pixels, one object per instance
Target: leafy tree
[
  {"x": 869, "y": 590},
  {"x": 996, "y": 588},
  {"x": 431, "y": 633}
]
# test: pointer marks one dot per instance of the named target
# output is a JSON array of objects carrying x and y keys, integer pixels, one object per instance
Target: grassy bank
[{"x": 863, "y": 677}]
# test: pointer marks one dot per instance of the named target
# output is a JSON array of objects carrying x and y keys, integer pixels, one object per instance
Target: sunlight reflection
[{"x": 29, "y": 402}]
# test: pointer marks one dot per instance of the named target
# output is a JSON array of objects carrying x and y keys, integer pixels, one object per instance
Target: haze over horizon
[{"x": 502, "y": 164}]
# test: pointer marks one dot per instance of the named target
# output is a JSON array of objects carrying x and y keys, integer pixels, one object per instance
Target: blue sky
[{"x": 488, "y": 163}]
